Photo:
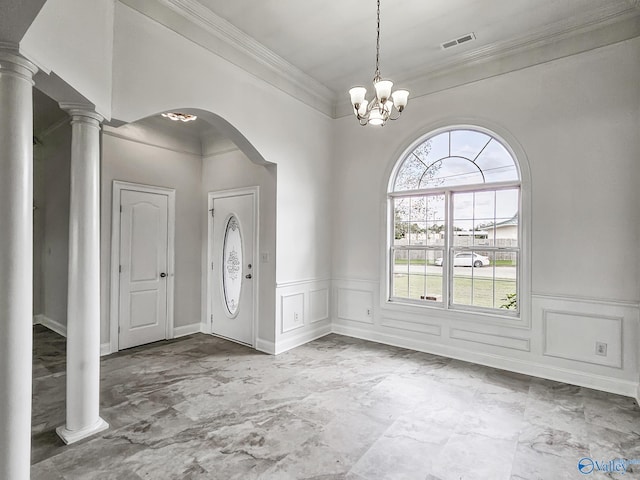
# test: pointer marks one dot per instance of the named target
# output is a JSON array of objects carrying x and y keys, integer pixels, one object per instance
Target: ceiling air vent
[{"x": 459, "y": 41}]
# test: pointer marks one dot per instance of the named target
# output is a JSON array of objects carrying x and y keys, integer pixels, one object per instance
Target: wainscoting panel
[
  {"x": 411, "y": 326},
  {"x": 583, "y": 337},
  {"x": 318, "y": 305},
  {"x": 302, "y": 313},
  {"x": 356, "y": 305},
  {"x": 559, "y": 342},
  {"x": 292, "y": 311},
  {"x": 515, "y": 343}
]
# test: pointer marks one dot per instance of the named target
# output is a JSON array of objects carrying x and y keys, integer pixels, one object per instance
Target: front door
[
  {"x": 232, "y": 263},
  {"x": 143, "y": 268}
]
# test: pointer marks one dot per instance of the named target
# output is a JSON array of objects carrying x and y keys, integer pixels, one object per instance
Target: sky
[{"x": 462, "y": 157}]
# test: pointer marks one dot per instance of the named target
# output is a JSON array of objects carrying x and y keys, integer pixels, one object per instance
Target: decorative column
[
  {"x": 83, "y": 298},
  {"x": 16, "y": 259}
]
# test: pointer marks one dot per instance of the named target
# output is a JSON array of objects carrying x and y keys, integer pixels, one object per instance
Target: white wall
[
  {"x": 55, "y": 162},
  {"x": 131, "y": 161},
  {"x": 231, "y": 170},
  {"x": 156, "y": 70},
  {"x": 74, "y": 40},
  {"x": 38, "y": 225},
  {"x": 577, "y": 120}
]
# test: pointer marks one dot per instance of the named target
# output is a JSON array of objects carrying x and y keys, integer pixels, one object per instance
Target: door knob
[
  {"x": 162, "y": 275},
  {"x": 248, "y": 276}
]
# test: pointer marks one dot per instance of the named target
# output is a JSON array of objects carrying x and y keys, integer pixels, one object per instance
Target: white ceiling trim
[
  {"x": 612, "y": 12},
  {"x": 620, "y": 19},
  {"x": 623, "y": 15},
  {"x": 231, "y": 35}
]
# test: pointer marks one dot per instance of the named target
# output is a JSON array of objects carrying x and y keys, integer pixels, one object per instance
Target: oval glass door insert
[{"x": 232, "y": 265}]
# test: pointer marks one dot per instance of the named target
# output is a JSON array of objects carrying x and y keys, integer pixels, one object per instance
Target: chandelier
[{"x": 385, "y": 105}]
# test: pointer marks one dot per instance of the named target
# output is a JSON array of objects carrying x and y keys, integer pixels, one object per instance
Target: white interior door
[
  {"x": 143, "y": 268},
  {"x": 232, "y": 262}
]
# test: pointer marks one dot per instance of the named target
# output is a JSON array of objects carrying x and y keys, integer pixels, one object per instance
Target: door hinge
[
  {"x": 211, "y": 212},
  {"x": 212, "y": 317},
  {"x": 211, "y": 265},
  {"x": 120, "y": 208},
  {"x": 118, "y": 329},
  {"x": 120, "y": 268}
]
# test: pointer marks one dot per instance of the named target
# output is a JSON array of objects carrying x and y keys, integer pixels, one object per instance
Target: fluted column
[
  {"x": 16, "y": 259},
  {"x": 83, "y": 299}
]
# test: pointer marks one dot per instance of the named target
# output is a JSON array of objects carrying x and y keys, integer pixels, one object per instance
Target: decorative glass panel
[
  {"x": 232, "y": 265},
  {"x": 457, "y": 157}
]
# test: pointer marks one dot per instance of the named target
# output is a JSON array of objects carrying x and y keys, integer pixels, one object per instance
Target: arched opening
[{"x": 196, "y": 159}]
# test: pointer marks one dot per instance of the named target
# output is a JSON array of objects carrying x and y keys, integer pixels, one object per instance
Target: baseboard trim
[
  {"x": 597, "y": 382},
  {"x": 187, "y": 330},
  {"x": 53, "y": 325},
  {"x": 37, "y": 319},
  {"x": 265, "y": 346},
  {"x": 301, "y": 338},
  {"x": 105, "y": 349}
]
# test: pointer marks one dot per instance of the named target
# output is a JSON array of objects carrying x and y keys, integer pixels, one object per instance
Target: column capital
[
  {"x": 82, "y": 112},
  {"x": 12, "y": 63}
]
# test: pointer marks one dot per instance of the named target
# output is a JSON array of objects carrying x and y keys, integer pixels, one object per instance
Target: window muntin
[
  {"x": 456, "y": 157},
  {"x": 455, "y": 203}
]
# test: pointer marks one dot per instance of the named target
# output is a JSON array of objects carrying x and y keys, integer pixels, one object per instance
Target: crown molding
[
  {"x": 611, "y": 22},
  {"x": 613, "y": 11},
  {"x": 614, "y": 22},
  {"x": 289, "y": 78}
]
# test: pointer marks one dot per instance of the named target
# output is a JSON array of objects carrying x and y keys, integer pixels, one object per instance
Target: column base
[{"x": 73, "y": 436}]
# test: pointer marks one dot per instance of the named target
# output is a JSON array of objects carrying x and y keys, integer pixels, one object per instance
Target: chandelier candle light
[{"x": 386, "y": 105}]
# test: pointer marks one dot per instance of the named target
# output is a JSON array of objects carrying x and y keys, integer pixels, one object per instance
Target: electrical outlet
[
  {"x": 601, "y": 349},
  {"x": 295, "y": 316},
  {"x": 368, "y": 312}
]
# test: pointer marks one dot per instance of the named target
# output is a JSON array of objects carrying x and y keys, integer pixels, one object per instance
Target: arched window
[{"x": 454, "y": 203}]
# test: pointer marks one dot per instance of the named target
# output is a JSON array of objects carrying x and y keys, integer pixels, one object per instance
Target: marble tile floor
[{"x": 337, "y": 408}]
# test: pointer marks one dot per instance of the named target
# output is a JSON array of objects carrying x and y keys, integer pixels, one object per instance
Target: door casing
[
  {"x": 255, "y": 192},
  {"x": 114, "y": 320}
]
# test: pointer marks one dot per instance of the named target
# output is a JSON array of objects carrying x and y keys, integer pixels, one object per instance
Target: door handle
[
  {"x": 162, "y": 275},
  {"x": 248, "y": 276}
]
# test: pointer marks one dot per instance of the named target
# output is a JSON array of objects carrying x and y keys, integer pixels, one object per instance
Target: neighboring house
[{"x": 508, "y": 229}]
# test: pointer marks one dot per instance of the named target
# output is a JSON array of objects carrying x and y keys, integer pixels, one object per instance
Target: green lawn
[{"x": 466, "y": 291}]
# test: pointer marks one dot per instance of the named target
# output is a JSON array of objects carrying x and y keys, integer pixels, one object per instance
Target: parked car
[{"x": 467, "y": 259}]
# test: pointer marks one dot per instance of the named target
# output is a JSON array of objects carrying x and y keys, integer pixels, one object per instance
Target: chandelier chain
[
  {"x": 386, "y": 104},
  {"x": 377, "y": 75}
]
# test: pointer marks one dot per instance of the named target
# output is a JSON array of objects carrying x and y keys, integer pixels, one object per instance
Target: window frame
[{"x": 517, "y": 317}]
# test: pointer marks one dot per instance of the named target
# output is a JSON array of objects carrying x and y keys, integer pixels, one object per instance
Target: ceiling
[
  {"x": 317, "y": 49},
  {"x": 334, "y": 41}
]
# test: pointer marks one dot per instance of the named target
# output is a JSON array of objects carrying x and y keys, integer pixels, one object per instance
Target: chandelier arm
[{"x": 391, "y": 117}]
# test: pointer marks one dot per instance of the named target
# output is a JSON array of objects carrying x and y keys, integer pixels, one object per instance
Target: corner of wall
[
  {"x": 549, "y": 348},
  {"x": 302, "y": 313}
]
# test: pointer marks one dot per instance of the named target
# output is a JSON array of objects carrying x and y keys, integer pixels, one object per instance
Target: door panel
[
  {"x": 143, "y": 258},
  {"x": 232, "y": 252}
]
